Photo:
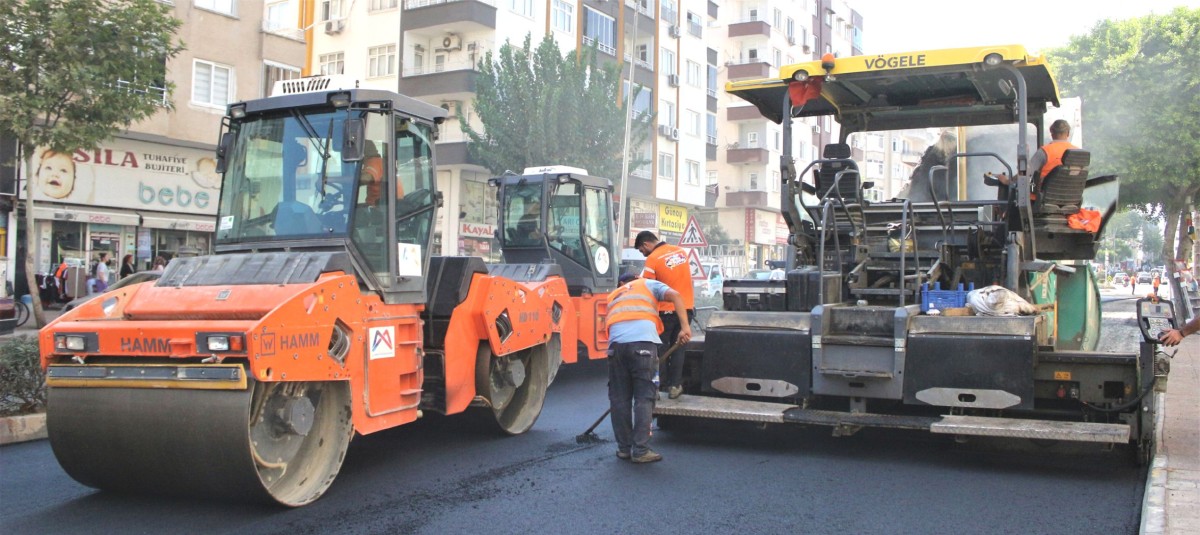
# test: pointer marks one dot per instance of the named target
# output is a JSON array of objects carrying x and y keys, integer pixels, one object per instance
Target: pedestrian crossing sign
[{"x": 692, "y": 237}]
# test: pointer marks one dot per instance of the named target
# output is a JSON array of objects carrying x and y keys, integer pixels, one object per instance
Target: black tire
[{"x": 21, "y": 312}]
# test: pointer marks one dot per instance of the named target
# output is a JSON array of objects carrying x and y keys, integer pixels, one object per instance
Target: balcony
[
  {"x": 456, "y": 15},
  {"x": 749, "y": 199},
  {"x": 710, "y": 149},
  {"x": 711, "y": 192},
  {"x": 750, "y": 69},
  {"x": 713, "y": 9},
  {"x": 744, "y": 156},
  {"x": 455, "y": 153},
  {"x": 423, "y": 81},
  {"x": 749, "y": 28},
  {"x": 742, "y": 113}
]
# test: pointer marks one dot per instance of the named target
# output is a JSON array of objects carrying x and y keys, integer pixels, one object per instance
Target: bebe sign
[{"x": 167, "y": 198}]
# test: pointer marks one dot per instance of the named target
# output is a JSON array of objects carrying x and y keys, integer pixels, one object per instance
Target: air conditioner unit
[
  {"x": 674, "y": 134},
  {"x": 472, "y": 45},
  {"x": 665, "y": 130},
  {"x": 792, "y": 40},
  {"x": 816, "y": 129},
  {"x": 451, "y": 42},
  {"x": 673, "y": 80},
  {"x": 333, "y": 27},
  {"x": 673, "y": 30}
]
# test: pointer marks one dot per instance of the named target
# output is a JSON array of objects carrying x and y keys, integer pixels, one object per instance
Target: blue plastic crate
[{"x": 943, "y": 299}]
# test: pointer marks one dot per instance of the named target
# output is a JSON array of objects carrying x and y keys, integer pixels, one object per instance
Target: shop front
[
  {"x": 127, "y": 197},
  {"x": 766, "y": 237}
]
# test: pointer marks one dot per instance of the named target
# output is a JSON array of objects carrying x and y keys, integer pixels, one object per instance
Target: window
[
  {"x": 693, "y": 172},
  {"x": 777, "y": 22},
  {"x": 274, "y": 72},
  {"x": 693, "y": 73},
  {"x": 712, "y": 80},
  {"x": 895, "y": 144},
  {"x": 752, "y": 140},
  {"x": 520, "y": 7},
  {"x": 777, "y": 56},
  {"x": 380, "y": 5},
  {"x": 331, "y": 9},
  {"x": 642, "y": 98},
  {"x": 695, "y": 26},
  {"x": 334, "y": 63},
  {"x": 775, "y": 182},
  {"x": 692, "y": 122},
  {"x": 752, "y": 54},
  {"x": 600, "y": 30},
  {"x": 896, "y": 171},
  {"x": 753, "y": 15},
  {"x": 666, "y": 113},
  {"x": 778, "y": 141},
  {"x": 220, "y": 6},
  {"x": 562, "y": 16},
  {"x": 418, "y": 60},
  {"x": 381, "y": 61},
  {"x": 211, "y": 83},
  {"x": 668, "y": 62},
  {"x": 753, "y": 181},
  {"x": 828, "y": 17},
  {"x": 712, "y": 178},
  {"x": 791, "y": 28},
  {"x": 711, "y": 129},
  {"x": 280, "y": 16},
  {"x": 666, "y": 165}
]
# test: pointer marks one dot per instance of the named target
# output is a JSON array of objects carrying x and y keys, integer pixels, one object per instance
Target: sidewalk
[
  {"x": 1172, "y": 502},
  {"x": 14, "y": 429}
]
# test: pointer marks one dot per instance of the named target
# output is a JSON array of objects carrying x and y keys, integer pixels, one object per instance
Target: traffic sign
[
  {"x": 695, "y": 267},
  {"x": 692, "y": 237}
]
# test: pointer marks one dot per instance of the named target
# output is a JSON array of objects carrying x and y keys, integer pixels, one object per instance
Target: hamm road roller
[{"x": 321, "y": 315}]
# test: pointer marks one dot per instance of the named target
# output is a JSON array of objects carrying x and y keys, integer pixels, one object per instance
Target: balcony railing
[
  {"x": 607, "y": 49},
  {"x": 414, "y": 4},
  {"x": 647, "y": 10},
  {"x": 639, "y": 62},
  {"x": 417, "y": 70},
  {"x": 157, "y": 95},
  {"x": 694, "y": 29}
]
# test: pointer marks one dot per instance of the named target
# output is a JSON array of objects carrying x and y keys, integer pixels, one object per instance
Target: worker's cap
[{"x": 627, "y": 277}]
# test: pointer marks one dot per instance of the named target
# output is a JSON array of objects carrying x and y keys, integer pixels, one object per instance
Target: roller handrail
[{"x": 836, "y": 243}]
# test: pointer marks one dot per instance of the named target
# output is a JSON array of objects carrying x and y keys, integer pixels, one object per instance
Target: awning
[
  {"x": 197, "y": 223},
  {"x": 85, "y": 214}
]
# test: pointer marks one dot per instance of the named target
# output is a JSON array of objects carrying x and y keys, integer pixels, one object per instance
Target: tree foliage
[
  {"x": 74, "y": 72},
  {"x": 543, "y": 107},
  {"x": 1140, "y": 84}
]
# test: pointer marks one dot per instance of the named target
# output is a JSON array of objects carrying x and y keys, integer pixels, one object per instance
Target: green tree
[
  {"x": 1140, "y": 84},
  {"x": 543, "y": 107},
  {"x": 60, "y": 65}
]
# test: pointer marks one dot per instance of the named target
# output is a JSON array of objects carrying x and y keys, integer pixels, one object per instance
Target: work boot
[
  {"x": 675, "y": 391},
  {"x": 649, "y": 457},
  {"x": 623, "y": 455}
]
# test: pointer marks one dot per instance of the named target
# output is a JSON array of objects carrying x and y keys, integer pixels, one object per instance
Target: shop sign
[
  {"x": 672, "y": 218},
  {"x": 644, "y": 220},
  {"x": 781, "y": 230},
  {"x": 477, "y": 230},
  {"x": 760, "y": 226},
  {"x": 130, "y": 174}
]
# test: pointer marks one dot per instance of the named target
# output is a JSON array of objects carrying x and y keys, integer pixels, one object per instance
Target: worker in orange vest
[
  {"x": 669, "y": 264},
  {"x": 633, "y": 332},
  {"x": 1155, "y": 283},
  {"x": 1050, "y": 155}
]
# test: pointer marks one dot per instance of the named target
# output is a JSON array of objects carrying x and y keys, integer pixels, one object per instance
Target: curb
[
  {"x": 23, "y": 428},
  {"x": 1154, "y": 499}
]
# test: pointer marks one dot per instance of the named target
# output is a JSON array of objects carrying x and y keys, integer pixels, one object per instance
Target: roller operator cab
[
  {"x": 853, "y": 336},
  {"x": 322, "y": 315},
  {"x": 562, "y": 215}
]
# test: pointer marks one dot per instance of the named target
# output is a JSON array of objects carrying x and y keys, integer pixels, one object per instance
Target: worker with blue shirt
[{"x": 633, "y": 333}]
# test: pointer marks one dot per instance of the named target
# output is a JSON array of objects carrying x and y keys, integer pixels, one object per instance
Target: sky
[{"x": 897, "y": 25}]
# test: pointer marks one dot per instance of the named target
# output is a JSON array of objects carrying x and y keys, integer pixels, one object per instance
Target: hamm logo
[{"x": 383, "y": 342}]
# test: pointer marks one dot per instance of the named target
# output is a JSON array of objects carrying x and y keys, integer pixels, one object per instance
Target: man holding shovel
[{"x": 633, "y": 332}]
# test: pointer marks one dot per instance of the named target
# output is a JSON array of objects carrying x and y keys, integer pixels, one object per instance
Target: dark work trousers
[
  {"x": 631, "y": 393},
  {"x": 672, "y": 368}
]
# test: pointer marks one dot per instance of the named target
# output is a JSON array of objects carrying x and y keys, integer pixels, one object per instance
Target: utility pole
[{"x": 624, "y": 200}]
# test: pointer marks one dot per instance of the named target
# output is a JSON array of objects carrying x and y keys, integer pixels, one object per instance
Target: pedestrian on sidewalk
[{"x": 633, "y": 332}]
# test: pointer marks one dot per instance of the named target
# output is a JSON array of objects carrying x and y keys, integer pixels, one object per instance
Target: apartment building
[
  {"x": 152, "y": 190},
  {"x": 755, "y": 38}
]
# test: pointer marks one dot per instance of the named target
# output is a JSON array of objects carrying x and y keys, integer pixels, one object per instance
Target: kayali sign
[{"x": 129, "y": 174}]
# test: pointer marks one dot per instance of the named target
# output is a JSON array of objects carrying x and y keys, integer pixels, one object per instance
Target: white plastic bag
[{"x": 999, "y": 301}]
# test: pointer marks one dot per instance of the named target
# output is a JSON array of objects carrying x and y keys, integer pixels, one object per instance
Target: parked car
[
  {"x": 1121, "y": 279},
  {"x": 1144, "y": 277},
  {"x": 141, "y": 276},
  {"x": 716, "y": 280}
]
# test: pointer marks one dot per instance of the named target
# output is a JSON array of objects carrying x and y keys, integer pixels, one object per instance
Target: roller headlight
[
  {"x": 70, "y": 342},
  {"x": 224, "y": 342}
]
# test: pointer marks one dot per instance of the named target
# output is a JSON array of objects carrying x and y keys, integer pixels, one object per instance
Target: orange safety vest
[
  {"x": 633, "y": 301},
  {"x": 668, "y": 264},
  {"x": 1054, "y": 153}
]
